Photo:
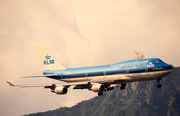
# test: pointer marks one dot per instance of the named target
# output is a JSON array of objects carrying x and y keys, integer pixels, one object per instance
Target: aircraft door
[
  {"x": 146, "y": 69},
  {"x": 104, "y": 73},
  {"x": 127, "y": 71},
  {"x": 135, "y": 64},
  {"x": 86, "y": 75},
  {"x": 61, "y": 76}
]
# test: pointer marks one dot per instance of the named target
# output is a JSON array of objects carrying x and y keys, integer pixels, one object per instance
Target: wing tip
[
  {"x": 138, "y": 55},
  {"x": 10, "y": 83}
]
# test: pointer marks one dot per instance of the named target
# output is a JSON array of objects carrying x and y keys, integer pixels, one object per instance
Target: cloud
[{"x": 78, "y": 33}]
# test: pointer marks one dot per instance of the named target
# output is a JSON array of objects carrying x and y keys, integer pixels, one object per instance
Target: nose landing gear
[{"x": 159, "y": 84}]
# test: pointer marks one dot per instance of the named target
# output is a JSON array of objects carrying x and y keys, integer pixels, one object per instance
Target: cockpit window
[{"x": 158, "y": 61}]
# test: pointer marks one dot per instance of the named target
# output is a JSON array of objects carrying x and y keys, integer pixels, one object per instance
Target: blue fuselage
[{"x": 130, "y": 67}]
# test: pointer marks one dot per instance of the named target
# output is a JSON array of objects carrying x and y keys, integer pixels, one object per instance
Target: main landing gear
[
  {"x": 159, "y": 84},
  {"x": 110, "y": 88},
  {"x": 100, "y": 93},
  {"x": 107, "y": 89},
  {"x": 123, "y": 86}
]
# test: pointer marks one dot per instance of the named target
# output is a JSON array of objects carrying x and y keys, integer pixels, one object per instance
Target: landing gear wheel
[
  {"x": 122, "y": 86},
  {"x": 110, "y": 88},
  {"x": 100, "y": 93},
  {"x": 159, "y": 85}
]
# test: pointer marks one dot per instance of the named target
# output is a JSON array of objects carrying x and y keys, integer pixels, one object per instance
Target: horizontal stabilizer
[
  {"x": 10, "y": 83},
  {"x": 53, "y": 75}
]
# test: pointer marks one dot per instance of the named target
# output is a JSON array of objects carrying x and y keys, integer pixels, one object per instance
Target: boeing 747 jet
[{"x": 100, "y": 78}]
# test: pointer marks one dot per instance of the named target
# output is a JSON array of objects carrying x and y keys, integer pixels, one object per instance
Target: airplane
[{"x": 101, "y": 78}]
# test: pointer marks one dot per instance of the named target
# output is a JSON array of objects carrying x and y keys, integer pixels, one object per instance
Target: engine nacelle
[
  {"x": 97, "y": 88},
  {"x": 60, "y": 90}
]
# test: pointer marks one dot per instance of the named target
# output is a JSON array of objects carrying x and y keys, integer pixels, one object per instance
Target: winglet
[
  {"x": 10, "y": 83},
  {"x": 138, "y": 55}
]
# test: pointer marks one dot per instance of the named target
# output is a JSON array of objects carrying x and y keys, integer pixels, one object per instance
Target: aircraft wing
[
  {"x": 111, "y": 81},
  {"x": 46, "y": 85},
  {"x": 92, "y": 82},
  {"x": 33, "y": 85}
]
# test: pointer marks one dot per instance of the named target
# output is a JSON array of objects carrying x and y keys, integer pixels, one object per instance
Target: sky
[{"x": 78, "y": 33}]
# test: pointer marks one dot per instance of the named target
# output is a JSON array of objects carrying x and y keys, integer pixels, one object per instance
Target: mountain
[{"x": 138, "y": 99}]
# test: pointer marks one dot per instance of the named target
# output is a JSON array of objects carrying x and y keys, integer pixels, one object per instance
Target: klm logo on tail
[{"x": 48, "y": 60}]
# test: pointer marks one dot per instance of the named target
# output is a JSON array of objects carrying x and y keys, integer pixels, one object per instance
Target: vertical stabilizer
[{"x": 49, "y": 61}]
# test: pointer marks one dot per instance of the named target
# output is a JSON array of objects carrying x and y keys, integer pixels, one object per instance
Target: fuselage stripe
[{"x": 92, "y": 74}]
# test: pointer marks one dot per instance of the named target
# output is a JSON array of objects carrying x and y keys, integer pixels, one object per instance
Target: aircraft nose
[{"x": 171, "y": 66}]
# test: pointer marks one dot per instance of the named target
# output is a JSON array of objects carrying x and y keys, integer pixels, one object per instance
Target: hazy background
[{"x": 78, "y": 33}]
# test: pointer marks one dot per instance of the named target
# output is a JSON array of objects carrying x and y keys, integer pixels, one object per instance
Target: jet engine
[
  {"x": 60, "y": 90},
  {"x": 97, "y": 88}
]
